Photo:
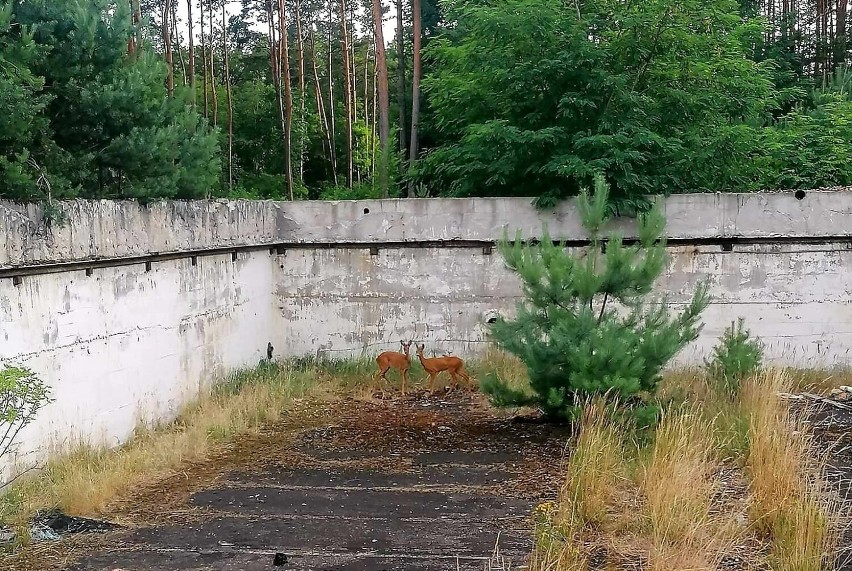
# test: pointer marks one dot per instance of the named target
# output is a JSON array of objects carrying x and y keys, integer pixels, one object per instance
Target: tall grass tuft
[
  {"x": 789, "y": 502},
  {"x": 678, "y": 483},
  {"x": 595, "y": 468}
]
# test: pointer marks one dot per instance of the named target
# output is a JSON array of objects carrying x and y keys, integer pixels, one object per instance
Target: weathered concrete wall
[
  {"x": 347, "y": 302},
  {"x": 97, "y": 230},
  {"x": 124, "y": 345},
  {"x": 119, "y": 341}
]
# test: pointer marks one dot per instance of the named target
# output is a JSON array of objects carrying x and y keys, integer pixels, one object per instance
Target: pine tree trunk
[
  {"x": 367, "y": 123},
  {"x": 227, "y": 64},
  {"x": 176, "y": 37},
  {"x": 353, "y": 63},
  {"x": 275, "y": 68},
  {"x": 300, "y": 46},
  {"x": 415, "y": 95},
  {"x": 375, "y": 111},
  {"x": 366, "y": 86},
  {"x": 167, "y": 44},
  {"x": 347, "y": 91},
  {"x": 191, "y": 40},
  {"x": 400, "y": 79},
  {"x": 321, "y": 103},
  {"x": 384, "y": 111},
  {"x": 331, "y": 113},
  {"x": 204, "y": 76},
  {"x": 136, "y": 18},
  {"x": 840, "y": 39},
  {"x": 284, "y": 59},
  {"x": 213, "y": 93}
]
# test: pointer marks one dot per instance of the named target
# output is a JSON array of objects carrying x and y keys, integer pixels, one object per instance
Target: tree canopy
[{"x": 110, "y": 98}]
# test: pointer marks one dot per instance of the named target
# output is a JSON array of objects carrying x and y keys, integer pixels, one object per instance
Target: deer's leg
[
  {"x": 432, "y": 376},
  {"x": 465, "y": 376},
  {"x": 382, "y": 377},
  {"x": 404, "y": 379},
  {"x": 455, "y": 379}
]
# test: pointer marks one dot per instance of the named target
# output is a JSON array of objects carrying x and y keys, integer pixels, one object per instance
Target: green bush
[
  {"x": 22, "y": 395},
  {"x": 735, "y": 357},
  {"x": 586, "y": 326}
]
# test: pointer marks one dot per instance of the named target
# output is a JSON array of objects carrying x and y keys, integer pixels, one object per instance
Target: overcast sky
[{"x": 233, "y": 7}]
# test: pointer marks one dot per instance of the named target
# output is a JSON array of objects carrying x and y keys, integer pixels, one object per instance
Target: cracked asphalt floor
[{"x": 417, "y": 483}]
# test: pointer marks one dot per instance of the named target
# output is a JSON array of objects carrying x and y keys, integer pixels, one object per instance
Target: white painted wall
[{"x": 126, "y": 345}]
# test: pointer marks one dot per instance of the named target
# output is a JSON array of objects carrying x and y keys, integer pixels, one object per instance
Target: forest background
[{"x": 306, "y": 99}]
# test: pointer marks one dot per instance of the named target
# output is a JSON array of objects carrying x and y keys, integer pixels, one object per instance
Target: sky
[{"x": 233, "y": 7}]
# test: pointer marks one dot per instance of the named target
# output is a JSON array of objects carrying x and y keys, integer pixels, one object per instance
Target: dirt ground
[
  {"x": 421, "y": 483},
  {"x": 417, "y": 483}
]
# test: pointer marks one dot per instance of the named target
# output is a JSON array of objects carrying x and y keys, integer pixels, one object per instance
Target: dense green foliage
[
  {"x": 587, "y": 325},
  {"x": 532, "y": 97},
  {"x": 86, "y": 117},
  {"x": 520, "y": 97}
]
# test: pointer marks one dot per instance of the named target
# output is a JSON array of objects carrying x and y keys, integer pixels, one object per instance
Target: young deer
[
  {"x": 452, "y": 365},
  {"x": 396, "y": 360}
]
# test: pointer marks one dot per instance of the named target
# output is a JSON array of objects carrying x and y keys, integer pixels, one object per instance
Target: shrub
[
  {"x": 22, "y": 395},
  {"x": 736, "y": 356},
  {"x": 585, "y": 326}
]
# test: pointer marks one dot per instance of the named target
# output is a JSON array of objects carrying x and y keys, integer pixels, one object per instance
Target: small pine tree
[
  {"x": 585, "y": 326},
  {"x": 735, "y": 357}
]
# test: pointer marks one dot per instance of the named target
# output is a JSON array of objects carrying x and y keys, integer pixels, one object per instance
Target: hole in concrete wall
[
  {"x": 235, "y": 256},
  {"x": 800, "y": 195},
  {"x": 89, "y": 272},
  {"x": 488, "y": 250},
  {"x": 147, "y": 266},
  {"x": 280, "y": 250},
  {"x": 17, "y": 280},
  {"x": 727, "y": 246},
  {"x": 374, "y": 251},
  {"x": 492, "y": 317},
  {"x": 366, "y": 211},
  {"x": 194, "y": 260}
]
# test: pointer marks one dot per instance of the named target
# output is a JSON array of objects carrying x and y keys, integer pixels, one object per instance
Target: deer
[
  {"x": 435, "y": 365},
  {"x": 396, "y": 360}
]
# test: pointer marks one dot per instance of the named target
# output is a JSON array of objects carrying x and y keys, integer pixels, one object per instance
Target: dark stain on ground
[
  {"x": 416, "y": 484},
  {"x": 831, "y": 427}
]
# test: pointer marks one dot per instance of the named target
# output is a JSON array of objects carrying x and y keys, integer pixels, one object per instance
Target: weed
[{"x": 736, "y": 356}]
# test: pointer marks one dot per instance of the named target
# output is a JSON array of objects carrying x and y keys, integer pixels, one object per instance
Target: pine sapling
[{"x": 588, "y": 324}]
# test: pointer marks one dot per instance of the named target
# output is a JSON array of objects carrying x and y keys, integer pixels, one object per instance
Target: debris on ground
[
  {"x": 841, "y": 393},
  {"x": 6, "y": 535},
  {"x": 52, "y": 525}
]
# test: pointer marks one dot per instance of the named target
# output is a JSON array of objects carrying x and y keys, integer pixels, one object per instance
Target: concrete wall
[{"x": 126, "y": 310}]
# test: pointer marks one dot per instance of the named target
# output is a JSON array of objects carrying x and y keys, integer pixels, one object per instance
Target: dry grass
[
  {"x": 88, "y": 479},
  {"x": 678, "y": 484},
  {"x": 595, "y": 468},
  {"x": 665, "y": 505},
  {"x": 818, "y": 380},
  {"x": 789, "y": 503},
  {"x": 505, "y": 366}
]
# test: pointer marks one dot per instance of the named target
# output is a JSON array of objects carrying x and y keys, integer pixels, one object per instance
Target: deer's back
[{"x": 392, "y": 358}]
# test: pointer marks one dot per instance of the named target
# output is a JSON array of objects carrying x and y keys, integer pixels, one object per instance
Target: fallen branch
[{"x": 817, "y": 398}]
